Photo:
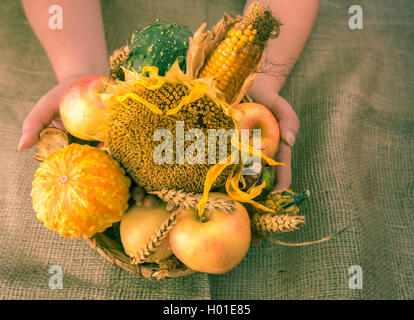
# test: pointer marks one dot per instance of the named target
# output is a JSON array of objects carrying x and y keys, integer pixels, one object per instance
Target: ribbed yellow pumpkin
[{"x": 79, "y": 191}]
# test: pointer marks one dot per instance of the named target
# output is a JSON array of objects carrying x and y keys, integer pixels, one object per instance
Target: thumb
[{"x": 42, "y": 114}]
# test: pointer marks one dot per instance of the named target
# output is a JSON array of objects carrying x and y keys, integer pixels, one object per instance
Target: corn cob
[
  {"x": 240, "y": 52},
  {"x": 276, "y": 223}
]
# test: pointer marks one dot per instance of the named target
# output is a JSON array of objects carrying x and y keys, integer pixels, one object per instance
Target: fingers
[
  {"x": 57, "y": 123},
  {"x": 42, "y": 114},
  {"x": 287, "y": 119},
  {"x": 283, "y": 173},
  {"x": 289, "y": 127}
]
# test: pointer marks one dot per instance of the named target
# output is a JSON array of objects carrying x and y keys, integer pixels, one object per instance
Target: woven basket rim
[{"x": 112, "y": 251}]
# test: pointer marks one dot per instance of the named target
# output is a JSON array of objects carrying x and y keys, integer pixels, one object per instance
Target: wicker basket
[
  {"x": 109, "y": 245},
  {"x": 111, "y": 249}
]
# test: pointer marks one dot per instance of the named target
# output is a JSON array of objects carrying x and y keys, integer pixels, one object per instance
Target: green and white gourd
[{"x": 159, "y": 44}]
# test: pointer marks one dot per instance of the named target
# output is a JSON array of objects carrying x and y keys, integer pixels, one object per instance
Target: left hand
[{"x": 289, "y": 127}]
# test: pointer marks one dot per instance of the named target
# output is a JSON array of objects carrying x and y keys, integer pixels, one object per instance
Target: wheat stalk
[
  {"x": 154, "y": 242},
  {"x": 277, "y": 223},
  {"x": 183, "y": 200},
  {"x": 118, "y": 59},
  {"x": 165, "y": 267},
  {"x": 299, "y": 244}
]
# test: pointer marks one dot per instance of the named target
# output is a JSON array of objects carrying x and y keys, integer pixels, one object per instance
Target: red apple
[
  {"x": 83, "y": 113},
  {"x": 258, "y": 116},
  {"x": 214, "y": 246}
]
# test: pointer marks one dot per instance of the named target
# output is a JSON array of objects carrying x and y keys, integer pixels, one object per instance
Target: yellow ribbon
[
  {"x": 232, "y": 182},
  {"x": 211, "y": 176},
  {"x": 196, "y": 92},
  {"x": 153, "y": 71}
]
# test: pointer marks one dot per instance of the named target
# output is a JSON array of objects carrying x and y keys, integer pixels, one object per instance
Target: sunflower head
[
  {"x": 160, "y": 128},
  {"x": 158, "y": 123}
]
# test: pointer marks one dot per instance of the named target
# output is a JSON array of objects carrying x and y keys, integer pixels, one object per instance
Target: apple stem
[{"x": 202, "y": 218}]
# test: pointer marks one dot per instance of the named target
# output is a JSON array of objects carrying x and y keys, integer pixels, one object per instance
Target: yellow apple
[
  {"x": 216, "y": 245},
  {"x": 138, "y": 225}
]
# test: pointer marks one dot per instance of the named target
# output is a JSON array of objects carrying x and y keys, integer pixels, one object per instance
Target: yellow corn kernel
[
  {"x": 208, "y": 70},
  {"x": 224, "y": 83},
  {"x": 238, "y": 54},
  {"x": 221, "y": 71},
  {"x": 229, "y": 49},
  {"x": 242, "y": 56},
  {"x": 235, "y": 40}
]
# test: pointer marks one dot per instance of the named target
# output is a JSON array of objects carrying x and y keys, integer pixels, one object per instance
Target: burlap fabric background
[{"x": 353, "y": 92}]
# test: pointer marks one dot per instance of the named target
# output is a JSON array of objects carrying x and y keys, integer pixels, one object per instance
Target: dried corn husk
[{"x": 203, "y": 43}]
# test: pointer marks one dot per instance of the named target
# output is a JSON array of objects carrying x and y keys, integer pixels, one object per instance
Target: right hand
[{"x": 45, "y": 113}]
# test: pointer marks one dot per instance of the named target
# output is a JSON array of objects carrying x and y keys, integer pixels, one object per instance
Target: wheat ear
[
  {"x": 117, "y": 60},
  {"x": 154, "y": 242},
  {"x": 183, "y": 200},
  {"x": 165, "y": 267},
  {"x": 276, "y": 223}
]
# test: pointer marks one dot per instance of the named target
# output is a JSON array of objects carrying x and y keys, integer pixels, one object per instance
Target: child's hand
[
  {"x": 44, "y": 113},
  {"x": 289, "y": 126},
  {"x": 75, "y": 51},
  {"x": 298, "y": 18}
]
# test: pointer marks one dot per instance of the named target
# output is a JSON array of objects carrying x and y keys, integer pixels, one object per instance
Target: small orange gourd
[{"x": 80, "y": 190}]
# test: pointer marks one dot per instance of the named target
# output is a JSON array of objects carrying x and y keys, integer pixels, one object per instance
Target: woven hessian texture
[{"x": 353, "y": 93}]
